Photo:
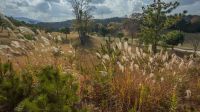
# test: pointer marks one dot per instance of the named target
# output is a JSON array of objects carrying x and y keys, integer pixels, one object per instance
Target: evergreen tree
[
  {"x": 174, "y": 38},
  {"x": 46, "y": 90},
  {"x": 103, "y": 31},
  {"x": 65, "y": 30},
  {"x": 55, "y": 92},
  {"x": 157, "y": 21},
  {"x": 14, "y": 87},
  {"x": 120, "y": 35}
]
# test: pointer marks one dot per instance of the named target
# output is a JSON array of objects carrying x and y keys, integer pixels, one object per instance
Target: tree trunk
[
  {"x": 120, "y": 39},
  {"x": 1, "y": 28},
  {"x": 66, "y": 36},
  {"x": 132, "y": 38},
  {"x": 109, "y": 38},
  {"x": 154, "y": 48},
  {"x": 195, "y": 52},
  {"x": 82, "y": 38}
]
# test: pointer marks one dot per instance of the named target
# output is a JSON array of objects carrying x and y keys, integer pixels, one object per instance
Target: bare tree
[
  {"x": 195, "y": 41},
  {"x": 81, "y": 10},
  {"x": 131, "y": 24}
]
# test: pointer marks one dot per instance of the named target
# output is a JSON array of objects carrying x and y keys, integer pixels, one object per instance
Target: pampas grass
[{"x": 162, "y": 73}]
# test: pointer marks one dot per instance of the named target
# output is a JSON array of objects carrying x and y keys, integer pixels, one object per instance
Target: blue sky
[{"x": 60, "y": 10}]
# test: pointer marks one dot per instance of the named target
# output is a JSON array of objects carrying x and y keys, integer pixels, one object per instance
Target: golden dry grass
[{"x": 124, "y": 90}]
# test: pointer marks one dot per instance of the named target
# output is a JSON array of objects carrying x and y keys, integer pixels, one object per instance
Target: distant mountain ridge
[
  {"x": 55, "y": 25},
  {"x": 190, "y": 23},
  {"x": 68, "y": 23},
  {"x": 27, "y": 20}
]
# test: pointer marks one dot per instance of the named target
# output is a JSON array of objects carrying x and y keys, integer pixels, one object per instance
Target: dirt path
[{"x": 186, "y": 50}]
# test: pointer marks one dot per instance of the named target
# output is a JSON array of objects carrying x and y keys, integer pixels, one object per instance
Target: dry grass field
[{"x": 111, "y": 76}]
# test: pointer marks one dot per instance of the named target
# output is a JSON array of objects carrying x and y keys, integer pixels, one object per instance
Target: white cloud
[
  {"x": 60, "y": 10},
  {"x": 193, "y": 8}
]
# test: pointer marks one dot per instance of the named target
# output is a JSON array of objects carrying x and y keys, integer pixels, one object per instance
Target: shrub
[
  {"x": 29, "y": 37},
  {"x": 14, "y": 87},
  {"x": 54, "y": 92},
  {"x": 39, "y": 90}
]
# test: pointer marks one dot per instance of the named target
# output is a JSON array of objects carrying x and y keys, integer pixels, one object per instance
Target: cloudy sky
[{"x": 60, "y": 10}]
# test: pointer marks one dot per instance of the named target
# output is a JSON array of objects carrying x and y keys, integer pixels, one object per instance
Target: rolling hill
[{"x": 58, "y": 25}]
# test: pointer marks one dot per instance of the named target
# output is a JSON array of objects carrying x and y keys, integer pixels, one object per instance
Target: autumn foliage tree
[
  {"x": 131, "y": 25},
  {"x": 113, "y": 28}
]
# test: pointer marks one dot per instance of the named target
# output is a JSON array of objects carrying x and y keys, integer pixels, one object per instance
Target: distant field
[{"x": 187, "y": 43}]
